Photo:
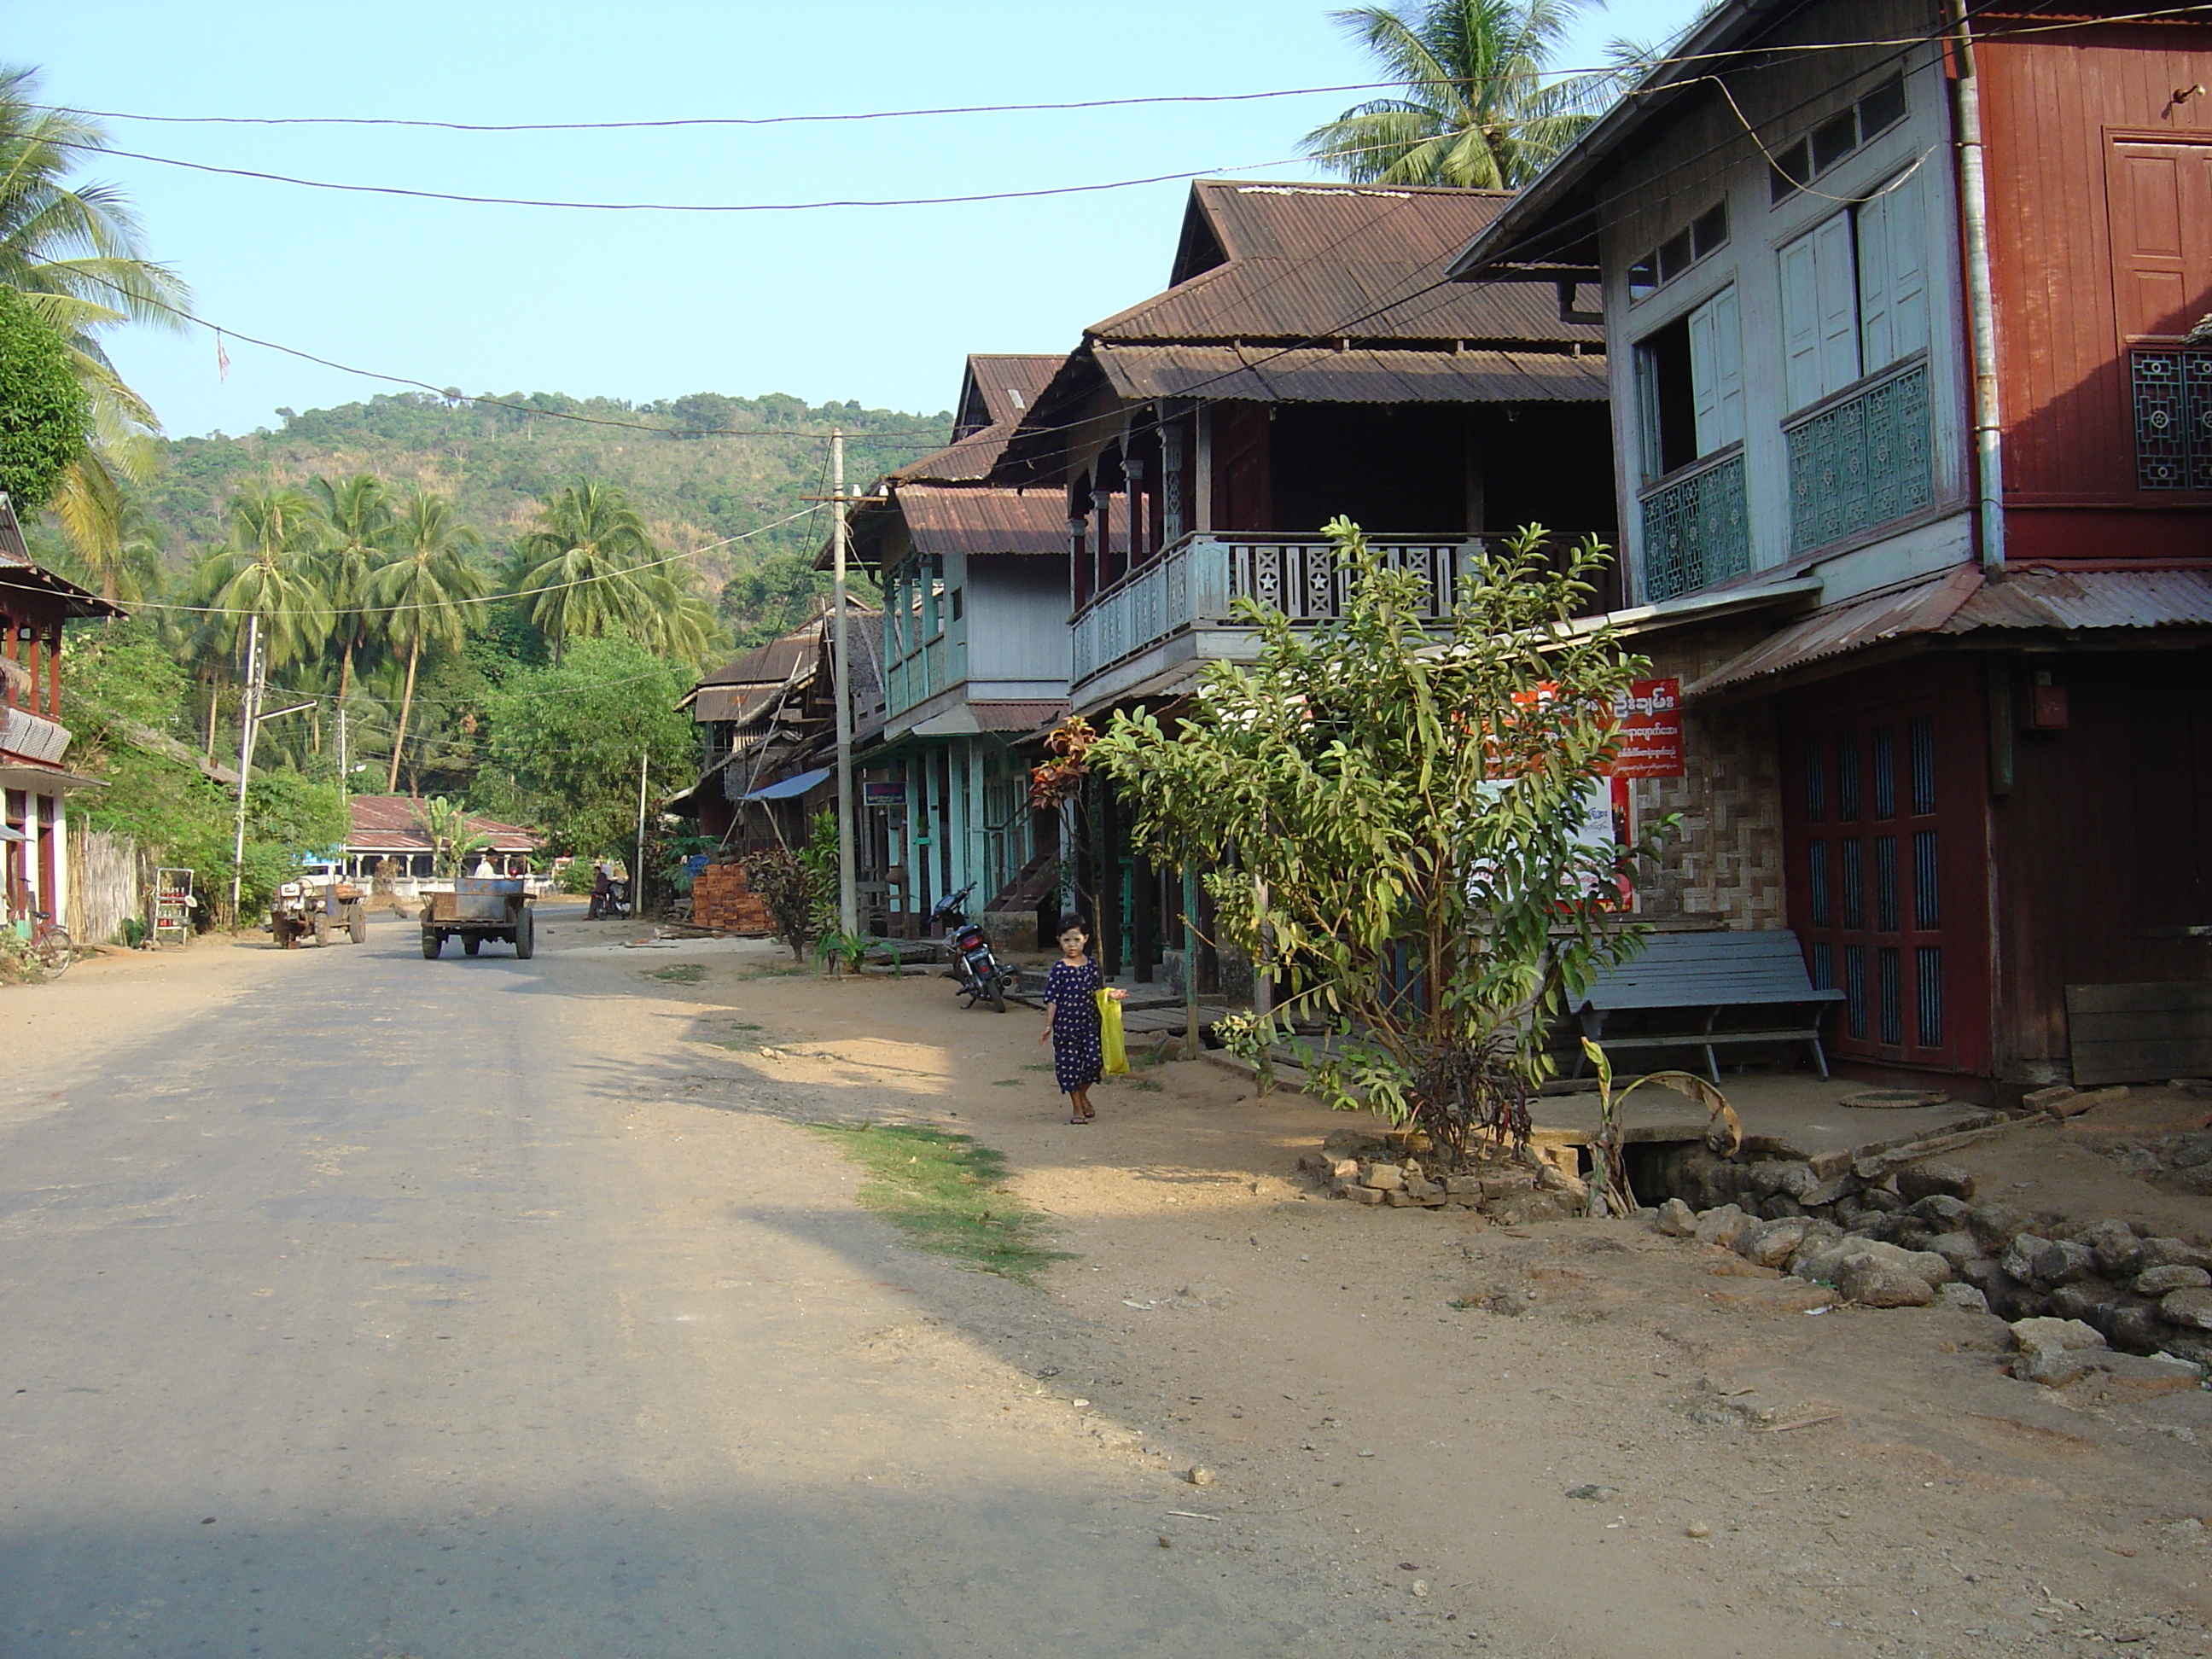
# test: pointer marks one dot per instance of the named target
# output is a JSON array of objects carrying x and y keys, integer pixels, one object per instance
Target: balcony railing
[
  {"x": 1696, "y": 531},
  {"x": 1861, "y": 462},
  {"x": 921, "y": 674},
  {"x": 1196, "y": 581}
]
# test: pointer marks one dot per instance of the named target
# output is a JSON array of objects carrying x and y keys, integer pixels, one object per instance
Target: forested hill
[{"x": 497, "y": 462}]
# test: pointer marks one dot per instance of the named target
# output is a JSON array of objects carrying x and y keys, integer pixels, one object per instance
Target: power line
[{"x": 491, "y": 599}]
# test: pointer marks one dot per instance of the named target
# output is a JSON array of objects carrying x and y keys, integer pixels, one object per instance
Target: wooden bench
[{"x": 1696, "y": 991}]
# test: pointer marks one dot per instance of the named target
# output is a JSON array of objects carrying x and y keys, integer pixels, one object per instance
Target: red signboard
[{"x": 1649, "y": 721}]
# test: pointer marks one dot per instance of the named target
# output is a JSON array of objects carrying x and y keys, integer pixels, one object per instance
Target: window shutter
[
  {"x": 1893, "y": 275},
  {"x": 1800, "y": 330},
  {"x": 2159, "y": 201},
  {"x": 1716, "y": 371},
  {"x": 1833, "y": 262}
]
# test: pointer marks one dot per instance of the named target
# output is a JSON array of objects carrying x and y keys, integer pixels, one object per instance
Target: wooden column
[
  {"x": 1144, "y": 912},
  {"x": 1201, "y": 469},
  {"x": 1102, "y": 535},
  {"x": 1174, "y": 485}
]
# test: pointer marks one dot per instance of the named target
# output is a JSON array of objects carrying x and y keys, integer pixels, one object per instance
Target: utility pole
[
  {"x": 343, "y": 774},
  {"x": 637, "y": 870},
  {"x": 249, "y": 723},
  {"x": 849, "y": 888}
]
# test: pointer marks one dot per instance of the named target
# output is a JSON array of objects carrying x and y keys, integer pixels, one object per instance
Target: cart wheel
[
  {"x": 471, "y": 943},
  {"x": 322, "y": 927},
  {"x": 357, "y": 921},
  {"x": 433, "y": 942},
  {"x": 525, "y": 935}
]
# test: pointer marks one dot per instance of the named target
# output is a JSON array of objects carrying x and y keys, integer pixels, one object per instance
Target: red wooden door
[{"x": 1885, "y": 834}]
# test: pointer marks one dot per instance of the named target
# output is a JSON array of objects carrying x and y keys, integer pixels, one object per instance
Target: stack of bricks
[{"x": 721, "y": 900}]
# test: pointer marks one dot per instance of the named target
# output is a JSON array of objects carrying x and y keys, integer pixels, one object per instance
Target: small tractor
[{"x": 320, "y": 904}]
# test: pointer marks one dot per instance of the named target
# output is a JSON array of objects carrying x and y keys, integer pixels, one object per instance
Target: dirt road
[{"x": 358, "y": 1304}]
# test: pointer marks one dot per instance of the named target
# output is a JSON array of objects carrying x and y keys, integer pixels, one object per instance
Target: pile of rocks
[
  {"x": 2057, "y": 1352},
  {"x": 2141, "y": 1294},
  {"x": 2182, "y": 1162},
  {"x": 1393, "y": 1171}
]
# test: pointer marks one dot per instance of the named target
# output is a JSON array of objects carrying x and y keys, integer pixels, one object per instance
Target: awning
[
  {"x": 1962, "y": 601},
  {"x": 8, "y": 832},
  {"x": 40, "y": 781},
  {"x": 789, "y": 787},
  {"x": 1358, "y": 376}
]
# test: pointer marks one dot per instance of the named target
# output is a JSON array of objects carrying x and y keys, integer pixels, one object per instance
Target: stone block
[
  {"x": 1363, "y": 1195},
  {"x": 1995, "y": 1224},
  {"x": 1957, "y": 1248},
  {"x": 1965, "y": 1298},
  {"x": 1463, "y": 1186},
  {"x": 2042, "y": 1100},
  {"x": 2034, "y": 1335},
  {"x": 1941, "y": 1211},
  {"x": 1400, "y": 1199},
  {"x": 2018, "y": 1257},
  {"x": 2174, "y": 1253},
  {"x": 1874, "y": 1283},
  {"x": 2062, "y": 1261},
  {"x": 2157, "y": 1281},
  {"x": 2054, "y": 1368},
  {"x": 2074, "y": 1105},
  {"x": 2192, "y": 1308},
  {"x": 1919, "y": 1181},
  {"x": 1384, "y": 1178},
  {"x": 1724, "y": 1226},
  {"x": 2118, "y": 1251},
  {"x": 1676, "y": 1219},
  {"x": 1774, "y": 1244},
  {"x": 2137, "y": 1328}
]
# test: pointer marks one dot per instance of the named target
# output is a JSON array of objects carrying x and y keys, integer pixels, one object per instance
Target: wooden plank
[
  {"x": 2153, "y": 996},
  {"x": 2140, "y": 1062}
]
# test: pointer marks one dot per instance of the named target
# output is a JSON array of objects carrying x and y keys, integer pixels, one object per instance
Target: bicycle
[{"x": 51, "y": 948}]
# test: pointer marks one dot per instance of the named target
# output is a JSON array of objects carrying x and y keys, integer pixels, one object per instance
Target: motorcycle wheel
[{"x": 998, "y": 995}]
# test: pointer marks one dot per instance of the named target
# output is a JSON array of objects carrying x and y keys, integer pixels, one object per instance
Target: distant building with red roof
[{"x": 390, "y": 827}]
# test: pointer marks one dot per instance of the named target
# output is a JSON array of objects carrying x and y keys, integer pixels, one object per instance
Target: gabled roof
[
  {"x": 1000, "y": 386},
  {"x": 996, "y": 391},
  {"x": 1312, "y": 293},
  {"x": 1299, "y": 262}
]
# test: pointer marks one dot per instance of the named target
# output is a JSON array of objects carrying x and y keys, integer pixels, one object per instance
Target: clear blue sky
[{"x": 874, "y": 304}]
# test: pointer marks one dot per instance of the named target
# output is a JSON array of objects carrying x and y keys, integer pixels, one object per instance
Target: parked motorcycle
[
  {"x": 614, "y": 904},
  {"x": 981, "y": 978}
]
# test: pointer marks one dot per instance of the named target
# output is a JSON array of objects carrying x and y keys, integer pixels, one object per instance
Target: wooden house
[
  {"x": 35, "y": 779},
  {"x": 1308, "y": 360},
  {"x": 1912, "y": 425},
  {"x": 975, "y": 662}
]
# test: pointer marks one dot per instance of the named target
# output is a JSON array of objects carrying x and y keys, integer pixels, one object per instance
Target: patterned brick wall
[{"x": 1725, "y": 864}]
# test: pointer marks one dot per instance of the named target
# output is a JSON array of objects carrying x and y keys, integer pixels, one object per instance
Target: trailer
[
  {"x": 479, "y": 907},
  {"x": 320, "y": 905}
]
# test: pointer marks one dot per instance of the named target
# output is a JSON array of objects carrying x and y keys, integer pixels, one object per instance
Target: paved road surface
[{"x": 377, "y": 1307}]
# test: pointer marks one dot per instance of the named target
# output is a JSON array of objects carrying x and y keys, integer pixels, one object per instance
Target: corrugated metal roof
[
  {"x": 1006, "y": 384},
  {"x": 976, "y": 520},
  {"x": 1259, "y": 374},
  {"x": 770, "y": 663},
  {"x": 971, "y": 457},
  {"x": 1019, "y": 716},
  {"x": 17, "y": 571},
  {"x": 1962, "y": 601},
  {"x": 393, "y": 823},
  {"x": 2075, "y": 599},
  {"x": 1303, "y": 260}
]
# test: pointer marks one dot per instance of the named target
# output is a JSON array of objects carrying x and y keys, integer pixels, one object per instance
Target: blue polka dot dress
[{"x": 1072, "y": 990}]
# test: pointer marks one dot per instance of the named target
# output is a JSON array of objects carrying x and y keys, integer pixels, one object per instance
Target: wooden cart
[{"x": 479, "y": 907}]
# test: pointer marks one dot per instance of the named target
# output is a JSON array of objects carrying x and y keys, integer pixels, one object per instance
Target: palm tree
[
  {"x": 269, "y": 571},
  {"x": 424, "y": 591},
  {"x": 74, "y": 252},
  {"x": 1475, "y": 114},
  {"x": 577, "y": 569},
  {"x": 359, "y": 513}
]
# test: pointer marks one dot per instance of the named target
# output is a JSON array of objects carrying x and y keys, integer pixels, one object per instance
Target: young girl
[{"x": 1071, "y": 989}]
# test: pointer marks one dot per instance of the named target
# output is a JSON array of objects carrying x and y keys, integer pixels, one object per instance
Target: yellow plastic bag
[{"x": 1111, "y": 1042}]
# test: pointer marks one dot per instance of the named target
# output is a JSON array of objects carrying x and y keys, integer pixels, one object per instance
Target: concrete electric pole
[{"x": 848, "y": 889}]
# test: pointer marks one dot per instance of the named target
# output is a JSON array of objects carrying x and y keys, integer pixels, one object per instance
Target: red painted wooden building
[
  {"x": 35, "y": 780},
  {"x": 1913, "y": 407}
]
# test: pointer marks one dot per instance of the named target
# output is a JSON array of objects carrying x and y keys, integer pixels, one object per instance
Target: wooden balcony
[
  {"x": 922, "y": 673},
  {"x": 1179, "y": 606},
  {"x": 1696, "y": 528}
]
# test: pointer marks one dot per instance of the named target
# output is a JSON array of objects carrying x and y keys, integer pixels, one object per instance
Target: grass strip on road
[{"x": 944, "y": 1192}]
